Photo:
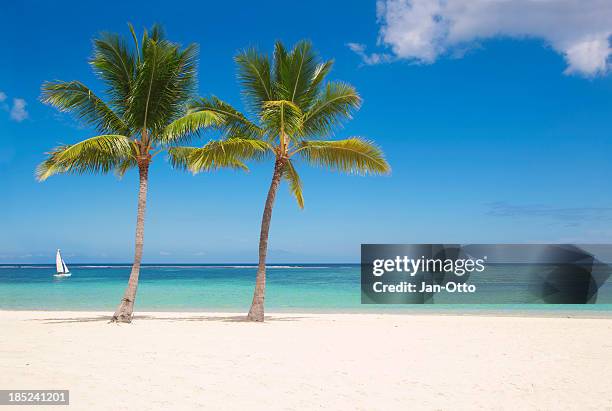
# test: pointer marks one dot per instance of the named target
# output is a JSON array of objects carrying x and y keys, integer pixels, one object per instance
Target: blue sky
[{"x": 494, "y": 138}]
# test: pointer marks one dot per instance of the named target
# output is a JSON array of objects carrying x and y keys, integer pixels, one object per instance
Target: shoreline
[{"x": 408, "y": 312}]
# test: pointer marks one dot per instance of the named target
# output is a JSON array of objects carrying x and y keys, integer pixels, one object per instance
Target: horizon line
[{"x": 184, "y": 263}]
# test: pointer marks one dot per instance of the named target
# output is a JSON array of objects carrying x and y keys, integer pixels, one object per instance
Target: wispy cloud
[
  {"x": 569, "y": 215},
  {"x": 424, "y": 30},
  {"x": 3, "y": 103},
  {"x": 18, "y": 111},
  {"x": 372, "y": 58}
]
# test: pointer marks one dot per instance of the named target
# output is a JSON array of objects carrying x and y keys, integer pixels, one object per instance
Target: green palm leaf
[
  {"x": 181, "y": 129},
  {"x": 124, "y": 166},
  {"x": 295, "y": 184},
  {"x": 281, "y": 118},
  {"x": 254, "y": 75},
  {"x": 352, "y": 155},
  {"x": 314, "y": 86},
  {"x": 295, "y": 72},
  {"x": 218, "y": 154},
  {"x": 115, "y": 64},
  {"x": 233, "y": 123},
  {"x": 74, "y": 97},
  {"x": 333, "y": 106},
  {"x": 128, "y": 162},
  {"x": 99, "y": 154},
  {"x": 164, "y": 84}
]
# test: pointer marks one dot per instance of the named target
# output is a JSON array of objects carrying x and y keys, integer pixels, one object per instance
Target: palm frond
[
  {"x": 74, "y": 97},
  {"x": 333, "y": 106},
  {"x": 128, "y": 162},
  {"x": 157, "y": 32},
  {"x": 295, "y": 72},
  {"x": 124, "y": 166},
  {"x": 229, "y": 153},
  {"x": 165, "y": 82},
  {"x": 295, "y": 184},
  {"x": 180, "y": 156},
  {"x": 254, "y": 75},
  {"x": 280, "y": 54},
  {"x": 353, "y": 155},
  {"x": 234, "y": 123},
  {"x": 314, "y": 88},
  {"x": 281, "y": 118},
  {"x": 135, "y": 41},
  {"x": 99, "y": 154},
  {"x": 182, "y": 128},
  {"x": 115, "y": 64}
]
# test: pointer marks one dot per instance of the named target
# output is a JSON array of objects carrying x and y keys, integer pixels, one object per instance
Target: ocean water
[{"x": 290, "y": 288}]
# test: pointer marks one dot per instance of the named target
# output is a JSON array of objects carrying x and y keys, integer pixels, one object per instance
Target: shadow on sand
[{"x": 137, "y": 318}]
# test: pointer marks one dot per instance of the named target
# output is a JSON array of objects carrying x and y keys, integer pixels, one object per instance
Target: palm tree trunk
[
  {"x": 256, "y": 313},
  {"x": 126, "y": 307}
]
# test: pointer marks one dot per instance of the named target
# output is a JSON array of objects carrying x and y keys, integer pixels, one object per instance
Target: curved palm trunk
[
  {"x": 256, "y": 313},
  {"x": 126, "y": 307}
]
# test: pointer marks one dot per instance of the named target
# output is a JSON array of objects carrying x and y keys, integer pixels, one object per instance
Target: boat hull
[{"x": 62, "y": 275}]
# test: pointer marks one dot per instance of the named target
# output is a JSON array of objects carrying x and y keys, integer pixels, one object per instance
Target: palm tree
[
  {"x": 293, "y": 111},
  {"x": 148, "y": 86}
]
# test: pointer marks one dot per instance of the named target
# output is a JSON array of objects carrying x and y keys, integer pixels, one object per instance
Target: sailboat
[{"x": 60, "y": 266}]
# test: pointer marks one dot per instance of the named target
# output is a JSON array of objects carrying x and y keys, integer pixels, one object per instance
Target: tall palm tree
[
  {"x": 148, "y": 86},
  {"x": 293, "y": 111}
]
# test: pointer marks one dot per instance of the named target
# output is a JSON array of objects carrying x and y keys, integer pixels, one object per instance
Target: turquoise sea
[{"x": 221, "y": 287}]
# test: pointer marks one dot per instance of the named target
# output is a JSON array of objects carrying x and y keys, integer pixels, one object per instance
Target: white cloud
[
  {"x": 423, "y": 30},
  {"x": 18, "y": 111},
  {"x": 2, "y": 96},
  {"x": 373, "y": 58}
]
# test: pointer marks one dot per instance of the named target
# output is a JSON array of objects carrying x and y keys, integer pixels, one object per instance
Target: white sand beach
[{"x": 309, "y": 361}]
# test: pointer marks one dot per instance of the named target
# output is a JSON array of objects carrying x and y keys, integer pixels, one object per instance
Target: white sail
[
  {"x": 60, "y": 266},
  {"x": 59, "y": 263}
]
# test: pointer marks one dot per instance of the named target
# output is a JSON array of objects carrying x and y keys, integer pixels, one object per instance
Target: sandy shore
[{"x": 307, "y": 361}]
